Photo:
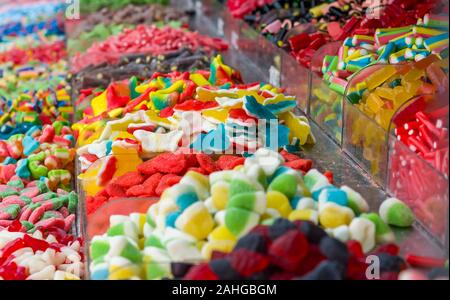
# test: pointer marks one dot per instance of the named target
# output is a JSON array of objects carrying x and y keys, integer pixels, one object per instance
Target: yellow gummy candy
[
  {"x": 221, "y": 246},
  {"x": 99, "y": 104},
  {"x": 196, "y": 221},
  {"x": 297, "y": 128},
  {"x": 378, "y": 77},
  {"x": 334, "y": 215},
  {"x": 385, "y": 93},
  {"x": 115, "y": 113},
  {"x": 122, "y": 135},
  {"x": 219, "y": 194},
  {"x": 157, "y": 119},
  {"x": 304, "y": 215},
  {"x": 199, "y": 80},
  {"x": 279, "y": 202},
  {"x": 374, "y": 103},
  {"x": 123, "y": 273},
  {"x": 221, "y": 233},
  {"x": 220, "y": 115}
]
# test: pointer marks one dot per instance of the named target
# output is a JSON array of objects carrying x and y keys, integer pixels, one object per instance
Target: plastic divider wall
[{"x": 359, "y": 137}]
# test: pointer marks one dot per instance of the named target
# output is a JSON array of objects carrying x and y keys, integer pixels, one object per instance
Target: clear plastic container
[{"x": 325, "y": 105}]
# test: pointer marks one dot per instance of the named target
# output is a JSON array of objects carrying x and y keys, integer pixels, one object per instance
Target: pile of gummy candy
[{"x": 146, "y": 109}]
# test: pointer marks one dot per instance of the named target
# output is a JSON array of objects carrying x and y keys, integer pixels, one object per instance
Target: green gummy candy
[
  {"x": 286, "y": 184},
  {"x": 131, "y": 253},
  {"x": 153, "y": 241},
  {"x": 27, "y": 225},
  {"x": 12, "y": 210},
  {"x": 16, "y": 183},
  {"x": 155, "y": 270},
  {"x": 239, "y": 221},
  {"x": 49, "y": 214},
  {"x": 380, "y": 226},
  {"x": 73, "y": 202},
  {"x": 395, "y": 212},
  {"x": 400, "y": 215},
  {"x": 99, "y": 248},
  {"x": 249, "y": 201},
  {"x": 239, "y": 186},
  {"x": 244, "y": 201}
]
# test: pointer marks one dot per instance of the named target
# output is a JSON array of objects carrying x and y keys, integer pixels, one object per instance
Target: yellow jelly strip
[
  {"x": 378, "y": 77},
  {"x": 199, "y": 80}
]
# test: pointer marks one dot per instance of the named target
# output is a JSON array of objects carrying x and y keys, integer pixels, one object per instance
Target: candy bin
[
  {"x": 326, "y": 100},
  {"x": 418, "y": 159}
]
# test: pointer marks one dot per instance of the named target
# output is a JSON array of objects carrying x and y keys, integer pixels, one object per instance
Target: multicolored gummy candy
[{"x": 202, "y": 215}]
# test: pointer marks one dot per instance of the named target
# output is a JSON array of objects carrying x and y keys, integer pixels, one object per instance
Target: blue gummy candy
[
  {"x": 9, "y": 161},
  {"x": 337, "y": 196},
  {"x": 281, "y": 107},
  {"x": 172, "y": 218},
  {"x": 22, "y": 168},
  {"x": 255, "y": 109},
  {"x": 185, "y": 200},
  {"x": 29, "y": 145}
]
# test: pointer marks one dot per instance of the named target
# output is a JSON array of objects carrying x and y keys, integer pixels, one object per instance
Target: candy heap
[
  {"x": 205, "y": 110},
  {"x": 303, "y": 251},
  {"x": 152, "y": 177},
  {"x": 386, "y": 46},
  {"x": 201, "y": 215},
  {"x": 150, "y": 40},
  {"x": 37, "y": 206},
  {"x": 302, "y": 27}
]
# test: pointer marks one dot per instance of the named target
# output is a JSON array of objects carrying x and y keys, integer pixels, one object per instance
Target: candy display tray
[{"x": 260, "y": 60}]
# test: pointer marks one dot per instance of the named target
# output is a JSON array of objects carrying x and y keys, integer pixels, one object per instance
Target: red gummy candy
[
  {"x": 288, "y": 156},
  {"x": 247, "y": 262},
  {"x": 129, "y": 179},
  {"x": 191, "y": 160},
  {"x": 93, "y": 203},
  {"x": 107, "y": 171},
  {"x": 206, "y": 162},
  {"x": 356, "y": 269},
  {"x": 147, "y": 168},
  {"x": 137, "y": 191},
  {"x": 289, "y": 250},
  {"x": 355, "y": 249},
  {"x": 166, "y": 181},
  {"x": 152, "y": 182},
  {"x": 391, "y": 249},
  {"x": 300, "y": 164},
  {"x": 311, "y": 261},
  {"x": 35, "y": 244},
  {"x": 195, "y": 105},
  {"x": 329, "y": 176},
  {"x": 282, "y": 276},
  {"x": 169, "y": 163},
  {"x": 201, "y": 272},
  {"x": 229, "y": 162},
  {"x": 115, "y": 190}
]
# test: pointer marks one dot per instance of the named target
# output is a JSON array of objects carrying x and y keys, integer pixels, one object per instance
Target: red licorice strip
[{"x": 424, "y": 261}]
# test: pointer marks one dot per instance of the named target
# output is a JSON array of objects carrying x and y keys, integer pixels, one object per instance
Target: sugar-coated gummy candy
[
  {"x": 395, "y": 212},
  {"x": 363, "y": 230},
  {"x": 326, "y": 270},
  {"x": 332, "y": 215},
  {"x": 288, "y": 250},
  {"x": 334, "y": 250}
]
